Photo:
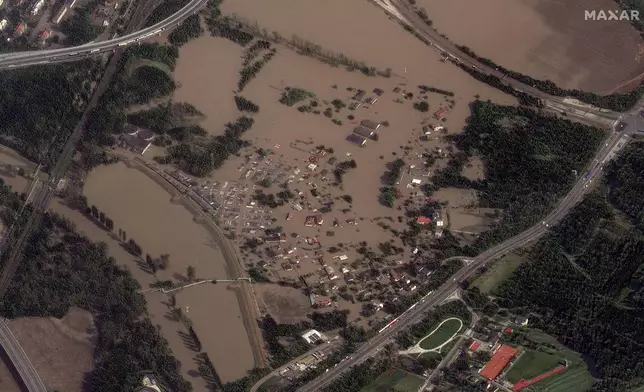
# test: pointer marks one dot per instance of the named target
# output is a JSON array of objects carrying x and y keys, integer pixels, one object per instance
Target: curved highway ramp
[{"x": 19, "y": 360}]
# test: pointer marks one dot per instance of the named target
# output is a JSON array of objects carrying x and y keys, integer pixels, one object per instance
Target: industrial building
[
  {"x": 364, "y": 132},
  {"x": 370, "y": 124},
  {"x": 500, "y": 360},
  {"x": 357, "y": 140}
]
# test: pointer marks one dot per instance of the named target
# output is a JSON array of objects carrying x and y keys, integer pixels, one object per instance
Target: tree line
[
  {"x": 583, "y": 281},
  {"x": 617, "y": 102},
  {"x": 530, "y": 163},
  {"x": 61, "y": 268}
]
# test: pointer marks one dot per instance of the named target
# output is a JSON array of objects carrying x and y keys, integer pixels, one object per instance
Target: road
[
  {"x": 409, "y": 17},
  {"x": 415, "y": 313},
  {"x": 40, "y": 201},
  {"x": 19, "y": 360},
  {"x": 51, "y": 56},
  {"x": 326, "y": 348}
]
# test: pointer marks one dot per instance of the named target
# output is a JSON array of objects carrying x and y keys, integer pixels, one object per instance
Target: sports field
[
  {"x": 395, "y": 380},
  {"x": 445, "y": 331},
  {"x": 531, "y": 364}
]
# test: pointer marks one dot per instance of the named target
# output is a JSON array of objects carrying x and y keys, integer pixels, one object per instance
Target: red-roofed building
[
  {"x": 20, "y": 29},
  {"x": 475, "y": 346},
  {"x": 423, "y": 220},
  {"x": 500, "y": 360},
  {"x": 508, "y": 331},
  {"x": 44, "y": 35},
  {"x": 440, "y": 114}
]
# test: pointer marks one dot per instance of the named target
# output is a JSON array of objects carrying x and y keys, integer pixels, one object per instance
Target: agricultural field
[
  {"x": 531, "y": 364},
  {"x": 446, "y": 330},
  {"x": 395, "y": 380},
  {"x": 553, "y": 41},
  {"x": 497, "y": 273}
]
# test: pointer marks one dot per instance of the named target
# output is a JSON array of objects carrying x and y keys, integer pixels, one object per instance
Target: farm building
[
  {"x": 364, "y": 132},
  {"x": 359, "y": 95},
  {"x": 357, "y": 140},
  {"x": 370, "y": 124},
  {"x": 500, "y": 360}
]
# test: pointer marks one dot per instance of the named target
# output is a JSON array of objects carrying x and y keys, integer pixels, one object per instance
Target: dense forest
[
  {"x": 530, "y": 160},
  {"x": 131, "y": 85},
  {"x": 584, "y": 280},
  {"x": 59, "y": 269},
  {"x": 40, "y": 106}
]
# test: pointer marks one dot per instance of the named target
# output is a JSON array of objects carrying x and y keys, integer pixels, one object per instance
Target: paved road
[
  {"x": 455, "y": 54},
  {"x": 416, "y": 312},
  {"x": 51, "y": 56},
  {"x": 326, "y": 348},
  {"x": 19, "y": 360},
  {"x": 40, "y": 202}
]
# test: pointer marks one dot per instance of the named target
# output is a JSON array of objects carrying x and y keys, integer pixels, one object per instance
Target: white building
[{"x": 312, "y": 336}]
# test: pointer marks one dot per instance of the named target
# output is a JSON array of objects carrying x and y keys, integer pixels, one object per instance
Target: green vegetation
[
  {"x": 421, "y": 106},
  {"x": 428, "y": 89},
  {"x": 293, "y": 95},
  {"x": 389, "y": 195},
  {"x": 164, "y": 11},
  {"x": 617, "y": 102},
  {"x": 249, "y": 72},
  {"x": 59, "y": 269},
  {"x": 227, "y": 27},
  {"x": 189, "y": 29},
  {"x": 245, "y": 105},
  {"x": 79, "y": 28},
  {"x": 200, "y": 157},
  {"x": 529, "y": 159},
  {"x": 358, "y": 377},
  {"x": 446, "y": 331},
  {"x": 108, "y": 116},
  {"x": 40, "y": 106},
  {"x": 497, "y": 273},
  {"x": 394, "y": 380},
  {"x": 532, "y": 364},
  {"x": 586, "y": 285},
  {"x": 432, "y": 319},
  {"x": 244, "y": 30}
]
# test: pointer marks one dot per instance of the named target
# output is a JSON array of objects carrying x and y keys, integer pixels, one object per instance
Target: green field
[
  {"x": 531, "y": 364},
  {"x": 574, "y": 379},
  {"x": 395, "y": 380},
  {"x": 498, "y": 273},
  {"x": 447, "y": 330}
]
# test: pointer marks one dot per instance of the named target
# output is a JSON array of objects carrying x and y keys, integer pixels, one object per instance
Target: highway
[
  {"x": 52, "y": 56},
  {"x": 19, "y": 360},
  {"x": 41, "y": 198},
  {"x": 616, "y": 141},
  {"x": 326, "y": 349}
]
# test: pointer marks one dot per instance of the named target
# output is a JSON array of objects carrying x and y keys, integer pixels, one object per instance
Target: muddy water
[{"x": 143, "y": 209}]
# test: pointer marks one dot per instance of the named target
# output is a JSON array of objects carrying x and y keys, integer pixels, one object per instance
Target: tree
[
  {"x": 163, "y": 261},
  {"x": 421, "y": 106},
  {"x": 95, "y": 212},
  {"x": 191, "y": 273}
]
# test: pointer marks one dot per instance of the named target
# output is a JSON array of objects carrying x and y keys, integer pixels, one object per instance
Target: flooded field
[
  {"x": 207, "y": 73},
  {"x": 361, "y": 31},
  {"x": 546, "y": 39},
  {"x": 161, "y": 227}
]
